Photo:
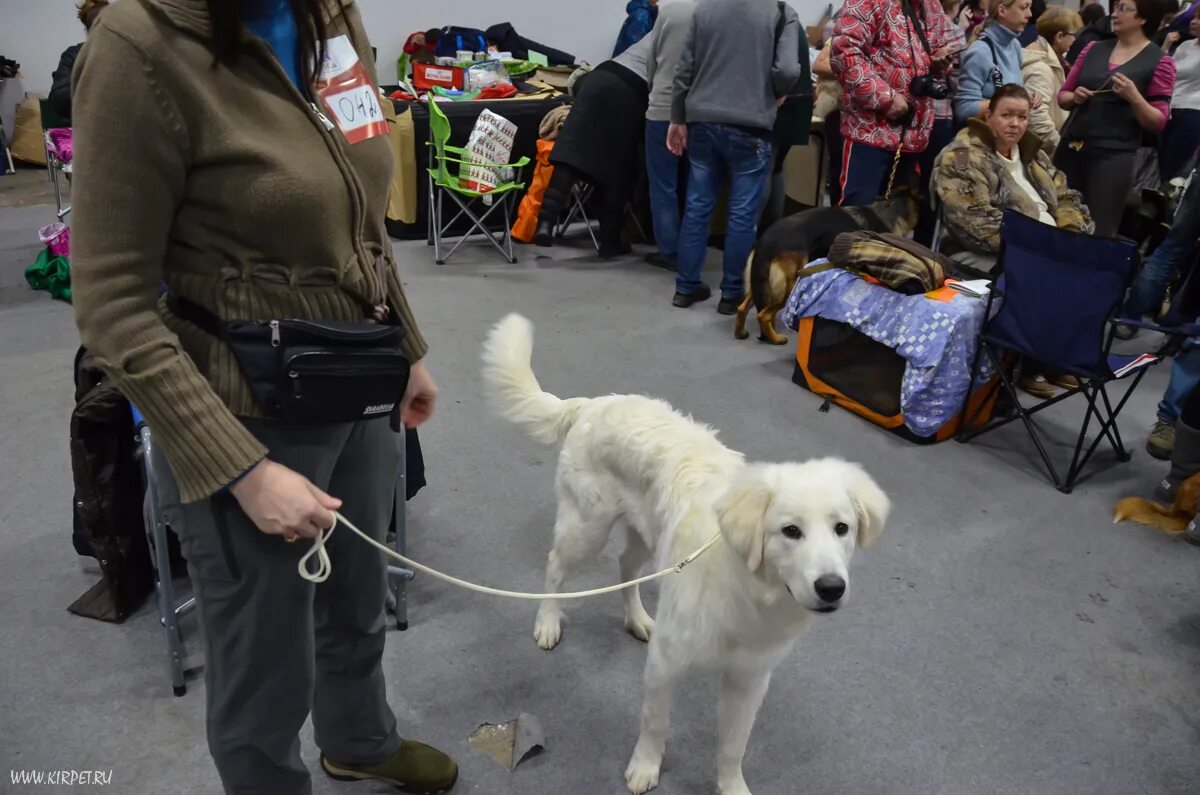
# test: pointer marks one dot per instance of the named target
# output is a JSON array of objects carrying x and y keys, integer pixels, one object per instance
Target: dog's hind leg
[
  {"x": 662, "y": 674},
  {"x": 576, "y": 539},
  {"x": 741, "y": 695},
  {"x": 739, "y": 324},
  {"x": 636, "y": 555},
  {"x": 766, "y": 326}
]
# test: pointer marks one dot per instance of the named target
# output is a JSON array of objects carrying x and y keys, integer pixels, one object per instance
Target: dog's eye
[
  {"x": 793, "y": 532},
  {"x": 841, "y": 528}
]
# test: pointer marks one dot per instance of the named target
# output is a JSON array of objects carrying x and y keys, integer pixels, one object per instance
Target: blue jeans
[
  {"x": 1185, "y": 376},
  {"x": 662, "y": 170},
  {"x": 1176, "y": 252},
  {"x": 714, "y": 151}
]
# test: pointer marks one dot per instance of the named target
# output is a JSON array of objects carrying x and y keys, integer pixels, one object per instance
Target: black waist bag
[{"x": 312, "y": 370}]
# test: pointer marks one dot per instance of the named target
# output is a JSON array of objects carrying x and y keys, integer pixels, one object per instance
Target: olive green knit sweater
[{"x": 222, "y": 183}]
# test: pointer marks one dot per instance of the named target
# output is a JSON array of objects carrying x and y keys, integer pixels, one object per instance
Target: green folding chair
[{"x": 444, "y": 180}]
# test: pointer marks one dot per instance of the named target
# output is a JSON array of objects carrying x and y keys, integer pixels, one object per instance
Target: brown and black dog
[
  {"x": 1173, "y": 520},
  {"x": 790, "y": 243}
]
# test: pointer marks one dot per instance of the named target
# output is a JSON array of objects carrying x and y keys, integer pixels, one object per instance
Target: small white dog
[{"x": 788, "y": 532}]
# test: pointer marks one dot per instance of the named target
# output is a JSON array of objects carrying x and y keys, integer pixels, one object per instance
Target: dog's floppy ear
[
  {"x": 742, "y": 515},
  {"x": 871, "y": 504}
]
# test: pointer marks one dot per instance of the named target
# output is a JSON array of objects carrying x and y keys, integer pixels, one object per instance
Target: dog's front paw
[
  {"x": 641, "y": 775},
  {"x": 640, "y": 627},
  {"x": 734, "y": 787},
  {"x": 547, "y": 630}
]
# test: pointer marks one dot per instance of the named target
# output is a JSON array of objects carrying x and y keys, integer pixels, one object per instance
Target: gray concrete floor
[{"x": 1004, "y": 638}]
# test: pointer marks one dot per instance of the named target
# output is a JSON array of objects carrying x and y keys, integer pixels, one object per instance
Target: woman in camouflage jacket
[{"x": 977, "y": 177}]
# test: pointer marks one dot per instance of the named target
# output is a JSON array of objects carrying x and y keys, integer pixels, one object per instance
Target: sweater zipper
[{"x": 327, "y": 130}]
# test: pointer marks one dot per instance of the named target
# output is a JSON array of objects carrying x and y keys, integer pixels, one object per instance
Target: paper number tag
[
  {"x": 350, "y": 98},
  {"x": 355, "y": 109}
]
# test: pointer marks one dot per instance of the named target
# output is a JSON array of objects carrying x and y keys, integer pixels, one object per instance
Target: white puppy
[{"x": 634, "y": 463}]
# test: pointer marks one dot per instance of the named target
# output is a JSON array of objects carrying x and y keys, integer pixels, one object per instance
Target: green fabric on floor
[{"x": 50, "y": 273}]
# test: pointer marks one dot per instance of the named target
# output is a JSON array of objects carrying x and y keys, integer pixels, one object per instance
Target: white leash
[{"x": 325, "y": 568}]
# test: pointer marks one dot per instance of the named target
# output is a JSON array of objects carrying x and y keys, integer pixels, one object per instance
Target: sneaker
[
  {"x": 727, "y": 306},
  {"x": 415, "y": 767},
  {"x": 1162, "y": 440},
  {"x": 684, "y": 300},
  {"x": 1037, "y": 385},
  {"x": 1192, "y": 534}
]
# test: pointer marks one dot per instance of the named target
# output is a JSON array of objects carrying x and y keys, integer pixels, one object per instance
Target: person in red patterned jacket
[{"x": 878, "y": 48}]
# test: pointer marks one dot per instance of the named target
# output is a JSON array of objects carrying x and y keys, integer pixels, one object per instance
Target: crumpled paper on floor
[{"x": 509, "y": 743}]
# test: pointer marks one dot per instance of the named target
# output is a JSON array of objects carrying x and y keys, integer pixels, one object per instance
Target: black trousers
[{"x": 1104, "y": 178}]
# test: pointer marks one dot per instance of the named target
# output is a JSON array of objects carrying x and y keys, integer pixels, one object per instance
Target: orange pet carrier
[{"x": 844, "y": 365}]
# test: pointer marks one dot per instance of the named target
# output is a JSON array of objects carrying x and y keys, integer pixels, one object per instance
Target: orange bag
[{"x": 527, "y": 214}]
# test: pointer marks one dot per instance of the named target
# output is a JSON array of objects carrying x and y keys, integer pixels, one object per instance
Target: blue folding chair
[{"x": 1055, "y": 301}]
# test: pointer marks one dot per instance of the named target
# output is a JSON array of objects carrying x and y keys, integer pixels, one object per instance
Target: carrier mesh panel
[{"x": 857, "y": 366}]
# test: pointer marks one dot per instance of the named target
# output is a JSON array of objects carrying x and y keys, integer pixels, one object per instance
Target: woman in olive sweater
[{"x": 206, "y": 162}]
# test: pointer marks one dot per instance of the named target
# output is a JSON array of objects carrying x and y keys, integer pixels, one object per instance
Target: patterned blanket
[{"x": 936, "y": 338}]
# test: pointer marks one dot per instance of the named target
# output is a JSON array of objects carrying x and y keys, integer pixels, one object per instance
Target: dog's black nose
[{"x": 830, "y": 588}]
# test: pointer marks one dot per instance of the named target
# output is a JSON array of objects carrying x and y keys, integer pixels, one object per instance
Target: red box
[{"x": 426, "y": 76}]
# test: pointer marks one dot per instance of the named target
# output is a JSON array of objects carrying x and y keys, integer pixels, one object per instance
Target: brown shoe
[
  {"x": 1065, "y": 381},
  {"x": 1037, "y": 385},
  {"x": 415, "y": 767}
]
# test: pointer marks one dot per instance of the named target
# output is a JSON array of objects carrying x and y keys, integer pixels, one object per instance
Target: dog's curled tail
[
  {"x": 513, "y": 388},
  {"x": 1151, "y": 514}
]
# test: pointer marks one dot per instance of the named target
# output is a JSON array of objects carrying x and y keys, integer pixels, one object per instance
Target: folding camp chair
[
  {"x": 444, "y": 179},
  {"x": 1055, "y": 301},
  {"x": 55, "y": 166},
  {"x": 581, "y": 196},
  {"x": 158, "y": 527}
]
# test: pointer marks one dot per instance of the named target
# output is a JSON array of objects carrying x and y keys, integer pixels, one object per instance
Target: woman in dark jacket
[
  {"x": 60, "y": 92},
  {"x": 601, "y": 143}
]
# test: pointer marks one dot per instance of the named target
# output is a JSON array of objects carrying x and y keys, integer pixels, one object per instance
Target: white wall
[{"x": 35, "y": 32}]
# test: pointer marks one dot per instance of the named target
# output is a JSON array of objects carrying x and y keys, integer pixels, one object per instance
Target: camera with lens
[{"x": 929, "y": 86}]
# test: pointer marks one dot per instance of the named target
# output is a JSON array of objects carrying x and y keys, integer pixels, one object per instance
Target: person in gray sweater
[
  {"x": 740, "y": 58},
  {"x": 663, "y": 167}
]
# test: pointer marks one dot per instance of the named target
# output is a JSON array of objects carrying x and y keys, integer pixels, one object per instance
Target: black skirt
[{"x": 603, "y": 132}]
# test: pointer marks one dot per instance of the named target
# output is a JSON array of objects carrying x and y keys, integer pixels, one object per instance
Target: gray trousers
[{"x": 278, "y": 646}]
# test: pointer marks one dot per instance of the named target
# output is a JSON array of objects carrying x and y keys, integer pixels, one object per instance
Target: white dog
[{"x": 788, "y": 532}]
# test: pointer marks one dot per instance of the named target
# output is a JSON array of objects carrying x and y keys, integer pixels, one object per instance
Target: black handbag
[{"x": 312, "y": 370}]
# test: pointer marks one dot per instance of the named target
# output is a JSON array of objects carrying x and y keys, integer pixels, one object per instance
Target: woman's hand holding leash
[{"x": 281, "y": 502}]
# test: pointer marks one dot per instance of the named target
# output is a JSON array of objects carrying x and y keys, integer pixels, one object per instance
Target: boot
[
  {"x": 415, "y": 767},
  {"x": 1185, "y": 462},
  {"x": 553, "y": 201},
  {"x": 612, "y": 223}
]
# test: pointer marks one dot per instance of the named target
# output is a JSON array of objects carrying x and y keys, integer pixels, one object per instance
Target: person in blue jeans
[
  {"x": 665, "y": 171},
  {"x": 1185, "y": 377},
  {"x": 740, "y": 59},
  {"x": 715, "y": 150},
  {"x": 1175, "y": 253}
]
